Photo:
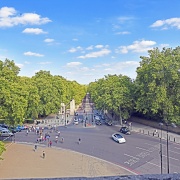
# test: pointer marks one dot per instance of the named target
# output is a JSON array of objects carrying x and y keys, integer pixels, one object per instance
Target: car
[
  {"x": 4, "y": 126},
  {"x": 98, "y": 122},
  {"x": 97, "y": 118},
  {"x": 125, "y": 130},
  {"x": 76, "y": 122},
  {"x": 6, "y": 133},
  {"x": 118, "y": 138},
  {"x": 109, "y": 123},
  {"x": 12, "y": 129}
]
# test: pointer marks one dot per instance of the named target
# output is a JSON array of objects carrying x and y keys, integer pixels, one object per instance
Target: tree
[{"x": 158, "y": 84}]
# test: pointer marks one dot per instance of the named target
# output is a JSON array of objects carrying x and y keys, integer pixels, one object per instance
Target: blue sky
[{"x": 84, "y": 40}]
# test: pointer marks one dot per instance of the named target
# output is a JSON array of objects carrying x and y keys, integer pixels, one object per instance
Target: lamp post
[
  {"x": 161, "y": 124},
  {"x": 174, "y": 126}
]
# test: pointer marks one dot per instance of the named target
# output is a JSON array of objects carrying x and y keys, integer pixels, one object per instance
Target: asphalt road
[{"x": 140, "y": 153}]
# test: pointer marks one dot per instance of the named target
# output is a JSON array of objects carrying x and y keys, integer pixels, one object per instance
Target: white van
[{"x": 5, "y": 133}]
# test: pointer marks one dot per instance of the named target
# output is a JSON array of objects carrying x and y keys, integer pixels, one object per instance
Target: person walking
[
  {"x": 56, "y": 139},
  {"x": 43, "y": 155},
  {"x": 35, "y": 147},
  {"x": 79, "y": 141},
  {"x": 50, "y": 143}
]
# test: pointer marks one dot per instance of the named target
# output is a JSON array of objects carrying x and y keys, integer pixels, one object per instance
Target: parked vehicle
[
  {"x": 109, "y": 123},
  {"x": 98, "y": 122},
  {"x": 4, "y": 126},
  {"x": 5, "y": 133},
  {"x": 118, "y": 138},
  {"x": 125, "y": 130},
  {"x": 97, "y": 118},
  {"x": 13, "y": 129},
  {"x": 76, "y": 122}
]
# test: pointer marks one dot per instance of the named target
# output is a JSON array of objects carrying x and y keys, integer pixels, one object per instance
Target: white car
[
  {"x": 5, "y": 133},
  {"x": 118, "y": 138},
  {"x": 76, "y": 122},
  {"x": 97, "y": 118}
]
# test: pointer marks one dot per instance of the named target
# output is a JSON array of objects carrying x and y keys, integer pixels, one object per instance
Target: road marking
[
  {"x": 176, "y": 147},
  {"x": 143, "y": 149},
  {"x": 174, "y": 152},
  {"x": 171, "y": 158},
  {"x": 154, "y": 164},
  {"x": 130, "y": 156}
]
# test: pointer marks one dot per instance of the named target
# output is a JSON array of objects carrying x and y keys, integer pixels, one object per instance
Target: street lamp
[
  {"x": 167, "y": 125},
  {"x": 161, "y": 124}
]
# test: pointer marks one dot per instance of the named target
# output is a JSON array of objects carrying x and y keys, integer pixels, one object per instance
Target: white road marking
[
  {"x": 176, "y": 148},
  {"x": 130, "y": 156},
  {"x": 152, "y": 144},
  {"x": 174, "y": 152},
  {"x": 154, "y": 164},
  {"x": 171, "y": 158},
  {"x": 143, "y": 149}
]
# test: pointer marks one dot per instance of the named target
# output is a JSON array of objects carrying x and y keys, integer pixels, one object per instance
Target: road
[{"x": 140, "y": 153}]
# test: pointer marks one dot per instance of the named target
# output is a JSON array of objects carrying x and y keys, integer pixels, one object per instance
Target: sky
[{"x": 84, "y": 40}]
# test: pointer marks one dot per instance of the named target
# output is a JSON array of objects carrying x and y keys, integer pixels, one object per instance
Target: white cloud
[
  {"x": 29, "y": 53},
  {"x": 102, "y": 52},
  {"x": 19, "y": 65},
  {"x": 73, "y": 64},
  {"x": 122, "y": 19},
  {"x": 84, "y": 69},
  {"x": 78, "y": 48},
  {"x": 105, "y": 64},
  {"x": 165, "y": 24},
  {"x": 137, "y": 46},
  {"x": 99, "y": 46},
  {"x": 9, "y": 17},
  {"x": 34, "y": 31},
  {"x": 123, "y": 33},
  {"x": 75, "y": 39},
  {"x": 26, "y": 62},
  {"x": 163, "y": 45},
  {"x": 48, "y": 40},
  {"x": 89, "y": 47},
  {"x": 44, "y": 63}
]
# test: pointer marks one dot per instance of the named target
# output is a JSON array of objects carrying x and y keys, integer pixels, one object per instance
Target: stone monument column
[{"x": 72, "y": 107}]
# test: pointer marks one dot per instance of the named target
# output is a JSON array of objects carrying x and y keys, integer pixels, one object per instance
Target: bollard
[
  {"x": 148, "y": 132},
  {"x": 140, "y": 130},
  {"x": 174, "y": 140},
  {"x": 169, "y": 138}
]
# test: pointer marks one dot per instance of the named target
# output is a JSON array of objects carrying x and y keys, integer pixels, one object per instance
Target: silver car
[
  {"x": 118, "y": 138},
  {"x": 5, "y": 133}
]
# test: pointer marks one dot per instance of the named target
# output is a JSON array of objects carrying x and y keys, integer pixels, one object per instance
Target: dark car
[
  {"x": 109, "y": 123},
  {"x": 13, "y": 129},
  {"x": 98, "y": 122},
  {"x": 125, "y": 130}
]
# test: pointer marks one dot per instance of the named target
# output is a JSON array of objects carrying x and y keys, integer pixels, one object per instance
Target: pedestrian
[
  {"x": 43, "y": 154},
  {"x": 56, "y": 139},
  {"x": 79, "y": 141},
  {"x": 35, "y": 147},
  {"x": 50, "y": 143},
  {"x": 27, "y": 132},
  {"x": 62, "y": 140}
]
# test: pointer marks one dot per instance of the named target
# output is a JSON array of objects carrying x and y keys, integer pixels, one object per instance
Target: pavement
[{"x": 21, "y": 161}]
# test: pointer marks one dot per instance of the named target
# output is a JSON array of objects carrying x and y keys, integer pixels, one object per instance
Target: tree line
[
  {"x": 154, "y": 94},
  {"x": 24, "y": 98}
]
